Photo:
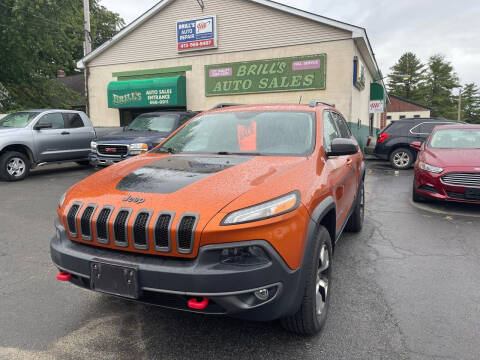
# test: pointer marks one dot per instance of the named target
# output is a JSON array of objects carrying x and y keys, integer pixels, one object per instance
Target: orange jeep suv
[{"x": 235, "y": 213}]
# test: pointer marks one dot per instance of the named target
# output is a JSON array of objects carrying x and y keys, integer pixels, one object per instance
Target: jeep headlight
[
  {"x": 268, "y": 209},
  {"x": 429, "y": 168},
  {"x": 62, "y": 200},
  {"x": 137, "y": 149},
  {"x": 93, "y": 146}
]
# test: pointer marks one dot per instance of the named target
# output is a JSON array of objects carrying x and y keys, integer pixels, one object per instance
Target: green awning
[
  {"x": 377, "y": 92},
  {"x": 156, "y": 92}
]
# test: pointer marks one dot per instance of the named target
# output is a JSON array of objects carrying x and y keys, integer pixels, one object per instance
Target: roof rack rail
[
  {"x": 222, "y": 105},
  {"x": 314, "y": 103}
]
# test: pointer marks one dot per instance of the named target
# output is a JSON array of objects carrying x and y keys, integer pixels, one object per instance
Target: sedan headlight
[
  {"x": 62, "y": 200},
  {"x": 137, "y": 149},
  {"x": 429, "y": 168},
  {"x": 268, "y": 209},
  {"x": 93, "y": 146}
]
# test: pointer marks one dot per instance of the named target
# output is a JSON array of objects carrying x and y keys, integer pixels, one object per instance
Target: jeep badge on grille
[{"x": 135, "y": 200}]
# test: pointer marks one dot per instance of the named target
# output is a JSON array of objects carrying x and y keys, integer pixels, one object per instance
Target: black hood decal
[{"x": 173, "y": 173}]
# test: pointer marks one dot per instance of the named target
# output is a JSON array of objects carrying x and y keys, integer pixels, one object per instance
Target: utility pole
[
  {"x": 87, "y": 49},
  {"x": 459, "y": 117},
  {"x": 86, "y": 22}
]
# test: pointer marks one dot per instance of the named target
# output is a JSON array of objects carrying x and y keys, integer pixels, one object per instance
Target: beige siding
[
  {"x": 338, "y": 87},
  {"x": 242, "y": 26},
  {"x": 408, "y": 114}
]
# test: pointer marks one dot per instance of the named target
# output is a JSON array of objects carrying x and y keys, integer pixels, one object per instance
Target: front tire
[
  {"x": 401, "y": 158},
  {"x": 312, "y": 315},
  {"x": 355, "y": 223},
  {"x": 14, "y": 166}
]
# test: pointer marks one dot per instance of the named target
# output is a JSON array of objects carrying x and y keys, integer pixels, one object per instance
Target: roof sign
[{"x": 197, "y": 34}]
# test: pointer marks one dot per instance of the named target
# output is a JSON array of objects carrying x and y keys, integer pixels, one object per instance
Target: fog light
[{"x": 261, "y": 294}]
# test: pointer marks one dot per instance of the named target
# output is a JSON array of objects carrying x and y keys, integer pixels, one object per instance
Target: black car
[
  {"x": 142, "y": 134},
  {"x": 393, "y": 143}
]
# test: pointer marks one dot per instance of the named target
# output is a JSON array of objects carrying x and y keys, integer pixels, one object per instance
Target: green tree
[
  {"x": 471, "y": 103},
  {"x": 436, "y": 90},
  {"x": 406, "y": 77},
  {"x": 39, "y": 37}
]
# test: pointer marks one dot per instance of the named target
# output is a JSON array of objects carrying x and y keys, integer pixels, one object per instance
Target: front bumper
[
  {"x": 100, "y": 160},
  {"x": 429, "y": 185},
  {"x": 172, "y": 282}
]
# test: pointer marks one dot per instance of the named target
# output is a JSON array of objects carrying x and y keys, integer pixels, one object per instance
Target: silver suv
[{"x": 33, "y": 138}]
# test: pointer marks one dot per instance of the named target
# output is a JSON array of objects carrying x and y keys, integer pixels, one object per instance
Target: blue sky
[{"x": 425, "y": 27}]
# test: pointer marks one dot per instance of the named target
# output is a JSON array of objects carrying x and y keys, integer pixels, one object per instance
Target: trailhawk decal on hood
[{"x": 173, "y": 173}]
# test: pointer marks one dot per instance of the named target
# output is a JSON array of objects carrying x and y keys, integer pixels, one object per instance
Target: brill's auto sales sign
[
  {"x": 197, "y": 34},
  {"x": 263, "y": 76}
]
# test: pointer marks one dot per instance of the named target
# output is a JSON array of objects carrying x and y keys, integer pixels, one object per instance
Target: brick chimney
[{"x": 60, "y": 74}]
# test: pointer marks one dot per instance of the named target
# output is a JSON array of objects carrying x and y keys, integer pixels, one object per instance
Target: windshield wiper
[
  {"x": 238, "y": 153},
  {"x": 167, "y": 150}
]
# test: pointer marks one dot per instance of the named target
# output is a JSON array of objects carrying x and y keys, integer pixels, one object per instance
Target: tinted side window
[
  {"x": 425, "y": 128},
  {"x": 55, "y": 119},
  {"x": 342, "y": 126},
  {"x": 330, "y": 130},
  {"x": 73, "y": 120}
]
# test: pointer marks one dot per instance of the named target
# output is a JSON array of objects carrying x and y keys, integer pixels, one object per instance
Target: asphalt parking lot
[{"x": 406, "y": 287}]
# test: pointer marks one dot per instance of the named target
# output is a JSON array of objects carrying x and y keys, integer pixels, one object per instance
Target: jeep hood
[{"x": 201, "y": 184}]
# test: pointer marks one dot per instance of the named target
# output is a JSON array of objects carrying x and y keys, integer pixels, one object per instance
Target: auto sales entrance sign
[{"x": 197, "y": 34}]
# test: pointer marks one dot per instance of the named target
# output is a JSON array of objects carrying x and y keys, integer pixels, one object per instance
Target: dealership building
[{"x": 194, "y": 54}]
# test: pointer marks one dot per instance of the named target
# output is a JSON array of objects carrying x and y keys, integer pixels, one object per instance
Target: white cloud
[{"x": 425, "y": 27}]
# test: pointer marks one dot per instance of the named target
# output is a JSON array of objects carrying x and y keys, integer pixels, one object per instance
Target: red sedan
[{"x": 448, "y": 165}]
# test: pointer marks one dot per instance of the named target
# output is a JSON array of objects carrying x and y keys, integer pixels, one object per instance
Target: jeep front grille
[
  {"x": 86, "y": 222},
  {"x": 162, "y": 232},
  {"x": 147, "y": 231},
  {"x": 120, "y": 227},
  {"x": 72, "y": 220},
  {"x": 185, "y": 233},
  {"x": 102, "y": 225},
  {"x": 140, "y": 229}
]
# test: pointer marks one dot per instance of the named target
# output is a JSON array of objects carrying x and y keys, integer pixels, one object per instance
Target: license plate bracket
[
  {"x": 114, "y": 279},
  {"x": 473, "y": 194}
]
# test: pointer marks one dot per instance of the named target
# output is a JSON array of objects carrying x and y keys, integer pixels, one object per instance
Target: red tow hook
[
  {"x": 198, "y": 305},
  {"x": 64, "y": 276}
]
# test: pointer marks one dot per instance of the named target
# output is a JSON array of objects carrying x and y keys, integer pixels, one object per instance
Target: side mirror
[
  {"x": 43, "y": 125},
  {"x": 417, "y": 145},
  {"x": 341, "y": 146}
]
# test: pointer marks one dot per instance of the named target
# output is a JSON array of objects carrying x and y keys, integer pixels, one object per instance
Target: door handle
[
  {"x": 349, "y": 162},
  {"x": 65, "y": 133}
]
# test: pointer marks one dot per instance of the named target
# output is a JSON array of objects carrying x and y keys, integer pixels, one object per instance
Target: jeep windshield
[
  {"x": 273, "y": 133},
  {"x": 18, "y": 119},
  {"x": 159, "y": 123}
]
